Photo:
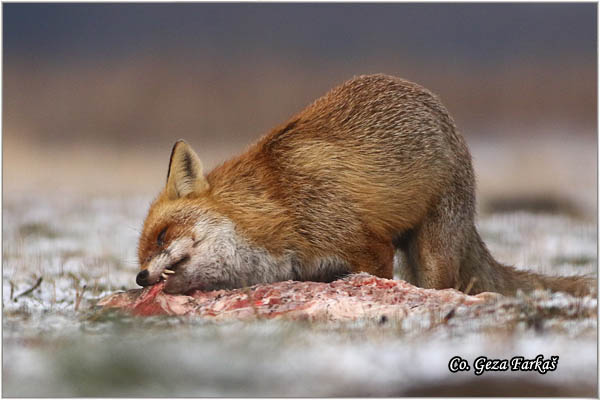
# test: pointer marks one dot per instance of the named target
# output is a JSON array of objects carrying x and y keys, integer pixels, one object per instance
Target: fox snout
[
  {"x": 156, "y": 271},
  {"x": 142, "y": 278},
  {"x": 146, "y": 278}
]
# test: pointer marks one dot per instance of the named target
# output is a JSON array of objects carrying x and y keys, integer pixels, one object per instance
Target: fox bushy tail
[
  {"x": 509, "y": 280},
  {"x": 493, "y": 276}
]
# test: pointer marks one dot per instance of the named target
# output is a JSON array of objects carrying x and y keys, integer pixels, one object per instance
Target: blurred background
[{"x": 95, "y": 94}]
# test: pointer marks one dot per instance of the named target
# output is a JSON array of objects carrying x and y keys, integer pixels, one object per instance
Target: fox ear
[{"x": 185, "y": 172}]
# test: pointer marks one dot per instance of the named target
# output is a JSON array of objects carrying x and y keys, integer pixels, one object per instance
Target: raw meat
[{"x": 353, "y": 297}]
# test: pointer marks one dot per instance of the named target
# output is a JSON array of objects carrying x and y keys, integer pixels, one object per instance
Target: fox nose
[{"x": 142, "y": 278}]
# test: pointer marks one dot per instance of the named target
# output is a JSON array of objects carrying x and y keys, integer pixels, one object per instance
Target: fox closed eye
[{"x": 160, "y": 240}]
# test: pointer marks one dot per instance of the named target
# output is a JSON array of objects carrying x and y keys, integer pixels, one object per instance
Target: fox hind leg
[{"x": 434, "y": 250}]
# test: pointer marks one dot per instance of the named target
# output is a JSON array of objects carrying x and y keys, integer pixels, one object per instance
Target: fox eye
[{"x": 160, "y": 240}]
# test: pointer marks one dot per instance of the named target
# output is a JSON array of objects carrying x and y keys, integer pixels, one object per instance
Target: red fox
[{"x": 374, "y": 166}]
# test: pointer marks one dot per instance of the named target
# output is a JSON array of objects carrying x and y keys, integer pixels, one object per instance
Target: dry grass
[{"x": 84, "y": 248}]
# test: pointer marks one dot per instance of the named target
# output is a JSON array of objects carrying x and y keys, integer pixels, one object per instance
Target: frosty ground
[{"x": 55, "y": 343}]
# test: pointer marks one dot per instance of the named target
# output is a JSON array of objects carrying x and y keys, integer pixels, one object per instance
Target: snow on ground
[{"x": 56, "y": 344}]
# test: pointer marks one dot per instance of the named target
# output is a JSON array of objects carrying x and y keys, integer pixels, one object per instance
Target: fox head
[{"x": 189, "y": 244}]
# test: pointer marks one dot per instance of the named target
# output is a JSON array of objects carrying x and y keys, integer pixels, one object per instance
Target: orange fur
[{"x": 375, "y": 165}]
